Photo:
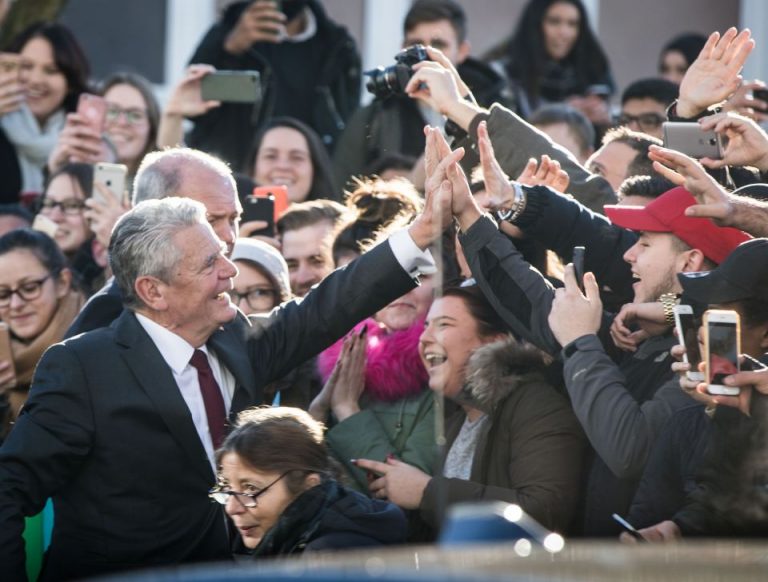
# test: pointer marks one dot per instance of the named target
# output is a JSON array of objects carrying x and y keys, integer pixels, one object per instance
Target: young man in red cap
[{"x": 621, "y": 404}]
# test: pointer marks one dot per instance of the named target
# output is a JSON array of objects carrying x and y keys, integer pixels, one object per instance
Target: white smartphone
[
  {"x": 113, "y": 177},
  {"x": 687, "y": 325},
  {"x": 45, "y": 224},
  {"x": 722, "y": 345}
]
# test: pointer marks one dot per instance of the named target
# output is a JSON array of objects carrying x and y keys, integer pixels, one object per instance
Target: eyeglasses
[
  {"x": 132, "y": 116},
  {"x": 255, "y": 297},
  {"x": 645, "y": 121},
  {"x": 247, "y": 500},
  {"x": 27, "y": 291},
  {"x": 71, "y": 206}
]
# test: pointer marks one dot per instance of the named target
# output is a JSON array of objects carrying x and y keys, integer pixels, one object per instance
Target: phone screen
[
  {"x": 723, "y": 356},
  {"x": 690, "y": 329}
]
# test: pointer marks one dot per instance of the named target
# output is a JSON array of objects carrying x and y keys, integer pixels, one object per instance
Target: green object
[{"x": 33, "y": 539}]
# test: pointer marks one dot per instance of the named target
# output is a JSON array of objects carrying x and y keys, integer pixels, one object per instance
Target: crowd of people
[{"x": 419, "y": 328}]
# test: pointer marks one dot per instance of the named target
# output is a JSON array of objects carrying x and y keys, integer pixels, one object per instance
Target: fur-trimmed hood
[{"x": 495, "y": 370}]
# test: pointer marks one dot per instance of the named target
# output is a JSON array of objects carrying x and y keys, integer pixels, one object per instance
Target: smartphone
[
  {"x": 687, "y": 325},
  {"x": 690, "y": 139},
  {"x": 94, "y": 109},
  {"x": 231, "y": 86},
  {"x": 260, "y": 208},
  {"x": 761, "y": 94},
  {"x": 280, "y": 195},
  {"x": 44, "y": 224},
  {"x": 722, "y": 346},
  {"x": 113, "y": 177},
  {"x": 6, "y": 353},
  {"x": 578, "y": 266},
  {"x": 628, "y": 527}
]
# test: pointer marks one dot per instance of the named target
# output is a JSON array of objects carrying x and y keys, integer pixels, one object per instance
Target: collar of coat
[{"x": 495, "y": 370}]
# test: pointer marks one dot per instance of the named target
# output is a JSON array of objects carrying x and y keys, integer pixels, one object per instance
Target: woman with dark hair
[
  {"x": 288, "y": 152},
  {"x": 512, "y": 438},
  {"x": 277, "y": 483},
  {"x": 553, "y": 56},
  {"x": 41, "y": 86},
  {"x": 678, "y": 54},
  {"x": 64, "y": 204},
  {"x": 38, "y": 302}
]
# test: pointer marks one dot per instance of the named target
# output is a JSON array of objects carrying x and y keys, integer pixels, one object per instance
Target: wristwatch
[
  {"x": 518, "y": 205},
  {"x": 668, "y": 302}
]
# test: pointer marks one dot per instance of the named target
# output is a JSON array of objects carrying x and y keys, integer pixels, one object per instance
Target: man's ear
[
  {"x": 151, "y": 292},
  {"x": 464, "y": 49},
  {"x": 692, "y": 261}
]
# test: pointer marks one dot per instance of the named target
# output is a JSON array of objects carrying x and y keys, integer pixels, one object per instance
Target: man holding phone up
[{"x": 309, "y": 65}]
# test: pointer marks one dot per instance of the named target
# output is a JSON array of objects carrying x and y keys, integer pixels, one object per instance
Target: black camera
[{"x": 392, "y": 80}]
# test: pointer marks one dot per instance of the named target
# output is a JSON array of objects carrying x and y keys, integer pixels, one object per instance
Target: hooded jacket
[
  {"x": 316, "y": 81},
  {"x": 331, "y": 517},
  {"x": 530, "y": 453}
]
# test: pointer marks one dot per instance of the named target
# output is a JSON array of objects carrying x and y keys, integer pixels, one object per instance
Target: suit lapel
[
  {"x": 155, "y": 378},
  {"x": 230, "y": 344}
]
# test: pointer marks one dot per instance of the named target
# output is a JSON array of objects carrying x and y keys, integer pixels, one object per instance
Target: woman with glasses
[
  {"x": 129, "y": 133},
  {"x": 277, "y": 483},
  {"x": 262, "y": 280},
  {"x": 38, "y": 302},
  {"x": 41, "y": 78},
  {"x": 63, "y": 204}
]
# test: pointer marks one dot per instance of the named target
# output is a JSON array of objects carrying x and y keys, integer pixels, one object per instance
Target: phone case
[
  {"x": 94, "y": 109},
  {"x": 690, "y": 139},
  {"x": 231, "y": 86},
  {"x": 112, "y": 176},
  {"x": 717, "y": 363}
]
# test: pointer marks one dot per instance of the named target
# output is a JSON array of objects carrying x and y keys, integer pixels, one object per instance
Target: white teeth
[{"x": 435, "y": 359}]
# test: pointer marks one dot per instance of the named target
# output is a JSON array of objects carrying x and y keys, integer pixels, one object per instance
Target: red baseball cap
[{"x": 667, "y": 214}]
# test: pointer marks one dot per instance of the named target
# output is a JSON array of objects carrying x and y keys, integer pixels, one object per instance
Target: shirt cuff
[{"x": 412, "y": 259}]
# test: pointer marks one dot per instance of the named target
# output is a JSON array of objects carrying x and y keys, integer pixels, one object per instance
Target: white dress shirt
[{"x": 177, "y": 352}]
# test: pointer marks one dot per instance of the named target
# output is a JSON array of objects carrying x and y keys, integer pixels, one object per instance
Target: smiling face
[
  {"x": 73, "y": 229},
  {"x": 44, "y": 84},
  {"x": 253, "y": 522},
  {"x": 560, "y": 29},
  {"x": 403, "y": 312},
  {"x": 195, "y": 302},
  {"x": 127, "y": 124},
  {"x": 284, "y": 159},
  {"x": 655, "y": 263},
  {"x": 27, "y": 319},
  {"x": 308, "y": 253},
  {"x": 256, "y": 292},
  {"x": 449, "y": 338}
]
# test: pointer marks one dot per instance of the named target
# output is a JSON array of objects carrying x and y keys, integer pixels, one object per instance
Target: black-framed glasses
[
  {"x": 28, "y": 291},
  {"x": 645, "y": 121},
  {"x": 247, "y": 500},
  {"x": 132, "y": 116},
  {"x": 70, "y": 206},
  {"x": 255, "y": 297}
]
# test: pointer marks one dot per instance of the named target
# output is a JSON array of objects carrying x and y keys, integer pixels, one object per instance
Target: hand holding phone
[
  {"x": 112, "y": 176},
  {"x": 690, "y": 139},
  {"x": 687, "y": 325},
  {"x": 628, "y": 527},
  {"x": 722, "y": 346},
  {"x": 578, "y": 266},
  {"x": 93, "y": 110}
]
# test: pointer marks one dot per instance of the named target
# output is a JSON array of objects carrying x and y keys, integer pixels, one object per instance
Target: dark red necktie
[{"x": 214, "y": 403}]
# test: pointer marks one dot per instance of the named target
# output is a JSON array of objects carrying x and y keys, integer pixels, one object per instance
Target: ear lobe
[
  {"x": 312, "y": 480},
  {"x": 694, "y": 261}
]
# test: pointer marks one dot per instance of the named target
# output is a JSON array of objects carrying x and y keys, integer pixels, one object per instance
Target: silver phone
[{"x": 690, "y": 139}]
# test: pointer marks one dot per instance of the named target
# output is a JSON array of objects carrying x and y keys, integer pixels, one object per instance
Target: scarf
[
  {"x": 33, "y": 144},
  {"x": 393, "y": 368},
  {"x": 26, "y": 355}
]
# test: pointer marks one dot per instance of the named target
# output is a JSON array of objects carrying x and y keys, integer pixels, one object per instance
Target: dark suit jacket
[
  {"x": 107, "y": 434},
  {"x": 100, "y": 310}
]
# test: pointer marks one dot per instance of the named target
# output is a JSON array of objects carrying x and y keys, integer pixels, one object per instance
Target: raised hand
[
  {"x": 260, "y": 22},
  {"x": 714, "y": 75},
  {"x": 682, "y": 170},
  {"x": 547, "y": 173},
  {"x": 350, "y": 382},
  {"x": 79, "y": 142},
  {"x": 186, "y": 99},
  {"x": 747, "y": 143},
  {"x": 102, "y": 213},
  {"x": 574, "y": 314}
]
